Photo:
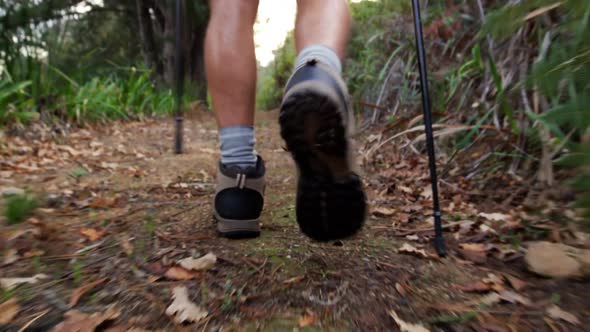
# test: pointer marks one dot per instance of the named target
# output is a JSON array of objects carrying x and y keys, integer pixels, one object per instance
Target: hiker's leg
[
  {"x": 325, "y": 22},
  {"x": 231, "y": 74},
  {"x": 230, "y": 61},
  {"x": 316, "y": 121}
]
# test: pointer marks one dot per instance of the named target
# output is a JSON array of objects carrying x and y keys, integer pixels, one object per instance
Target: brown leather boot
[{"x": 239, "y": 199}]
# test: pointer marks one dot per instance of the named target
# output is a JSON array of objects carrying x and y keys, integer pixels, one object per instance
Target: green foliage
[
  {"x": 77, "y": 271},
  {"x": 57, "y": 63},
  {"x": 562, "y": 76},
  {"x": 374, "y": 45},
  {"x": 78, "y": 173},
  {"x": 124, "y": 96},
  {"x": 274, "y": 76},
  {"x": 12, "y": 95},
  {"x": 18, "y": 208},
  {"x": 101, "y": 99}
]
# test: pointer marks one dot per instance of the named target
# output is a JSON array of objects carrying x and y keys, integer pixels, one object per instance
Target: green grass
[
  {"x": 78, "y": 173},
  {"x": 125, "y": 95},
  {"x": 78, "y": 271},
  {"x": 19, "y": 208}
]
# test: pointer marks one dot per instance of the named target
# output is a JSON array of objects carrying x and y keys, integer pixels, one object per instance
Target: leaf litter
[
  {"x": 199, "y": 264},
  {"x": 8, "y": 310},
  {"x": 407, "y": 327},
  {"x": 76, "y": 321},
  {"x": 80, "y": 291},
  {"x": 556, "y": 312},
  {"x": 10, "y": 283},
  {"x": 479, "y": 242},
  {"x": 182, "y": 309}
]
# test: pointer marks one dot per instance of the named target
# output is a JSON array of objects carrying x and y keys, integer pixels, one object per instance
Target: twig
[
  {"x": 24, "y": 327},
  {"x": 455, "y": 187},
  {"x": 425, "y": 230},
  {"x": 388, "y": 265}
]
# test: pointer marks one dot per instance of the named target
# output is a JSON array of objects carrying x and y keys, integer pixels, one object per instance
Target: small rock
[
  {"x": 54, "y": 200},
  {"x": 557, "y": 260}
]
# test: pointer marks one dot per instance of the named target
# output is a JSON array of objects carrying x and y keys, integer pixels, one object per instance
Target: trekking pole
[
  {"x": 179, "y": 64},
  {"x": 439, "y": 242}
]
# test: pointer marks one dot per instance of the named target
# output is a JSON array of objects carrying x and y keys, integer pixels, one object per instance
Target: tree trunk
[
  {"x": 157, "y": 21},
  {"x": 166, "y": 9},
  {"x": 196, "y": 55},
  {"x": 146, "y": 34}
]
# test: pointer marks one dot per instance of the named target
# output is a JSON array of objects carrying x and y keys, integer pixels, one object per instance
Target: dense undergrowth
[
  {"x": 66, "y": 69},
  {"x": 97, "y": 100},
  {"x": 510, "y": 84}
]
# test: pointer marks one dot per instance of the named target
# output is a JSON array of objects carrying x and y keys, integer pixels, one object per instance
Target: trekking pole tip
[
  {"x": 178, "y": 137},
  {"x": 440, "y": 247}
]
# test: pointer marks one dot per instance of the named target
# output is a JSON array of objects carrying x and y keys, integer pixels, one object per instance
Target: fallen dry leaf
[
  {"x": 516, "y": 283},
  {"x": 9, "y": 283},
  {"x": 405, "y": 189},
  {"x": 102, "y": 203},
  {"x": 473, "y": 246},
  {"x": 473, "y": 253},
  {"x": 490, "y": 299},
  {"x": 8, "y": 310},
  {"x": 111, "y": 166},
  {"x": 42, "y": 230},
  {"x": 203, "y": 263},
  {"x": 383, "y": 212},
  {"x": 11, "y": 191},
  {"x": 307, "y": 319},
  {"x": 407, "y": 327},
  {"x": 76, "y": 321},
  {"x": 179, "y": 273},
  {"x": 410, "y": 249},
  {"x": 182, "y": 309},
  {"x": 556, "y": 312},
  {"x": 427, "y": 192},
  {"x": 476, "y": 287},
  {"x": 555, "y": 260},
  {"x": 494, "y": 216},
  {"x": 121, "y": 328},
  {"x": 542, "y": 10},
  {"x": 78, "y": 292},
  {"x": 400, "y": 289},
  {"x": 294, "y": 280},
  {"x": 126, "y": 244},
  {"x": 91, "y": 234},
  {"x": 10, "y": 256},
  {"x": 34, "y": 253},
  {"x": 496, "y": 283},
  {"x": 514, "y": 298},
  {"x": 73, "y": 152}
]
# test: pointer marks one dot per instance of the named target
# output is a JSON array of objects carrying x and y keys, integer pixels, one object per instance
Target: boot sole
[{"x": 331, "y": 203}]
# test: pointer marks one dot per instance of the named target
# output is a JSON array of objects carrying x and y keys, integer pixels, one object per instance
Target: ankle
[
  {"x": 237, "y": 146},
  {"x": 321, "y": 53}
]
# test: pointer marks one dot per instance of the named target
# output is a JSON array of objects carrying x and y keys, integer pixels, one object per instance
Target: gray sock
[
  {"x": 237, "y": 146},
  {"x": 319, "y": 52}
]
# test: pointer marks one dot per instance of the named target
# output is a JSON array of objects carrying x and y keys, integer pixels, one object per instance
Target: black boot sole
[{"x": 331, "y": 203}]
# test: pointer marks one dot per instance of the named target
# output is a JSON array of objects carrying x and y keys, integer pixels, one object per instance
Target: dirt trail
[{"x": 121, "y": 209}]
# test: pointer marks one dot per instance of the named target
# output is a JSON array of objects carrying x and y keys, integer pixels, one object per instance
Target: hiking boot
[
  {"x": 239, "y": 199},
  {"x": 316, "y": 123}
]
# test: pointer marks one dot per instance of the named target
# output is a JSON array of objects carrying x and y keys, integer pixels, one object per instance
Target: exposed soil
[{"x": 150, "y": 208}]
